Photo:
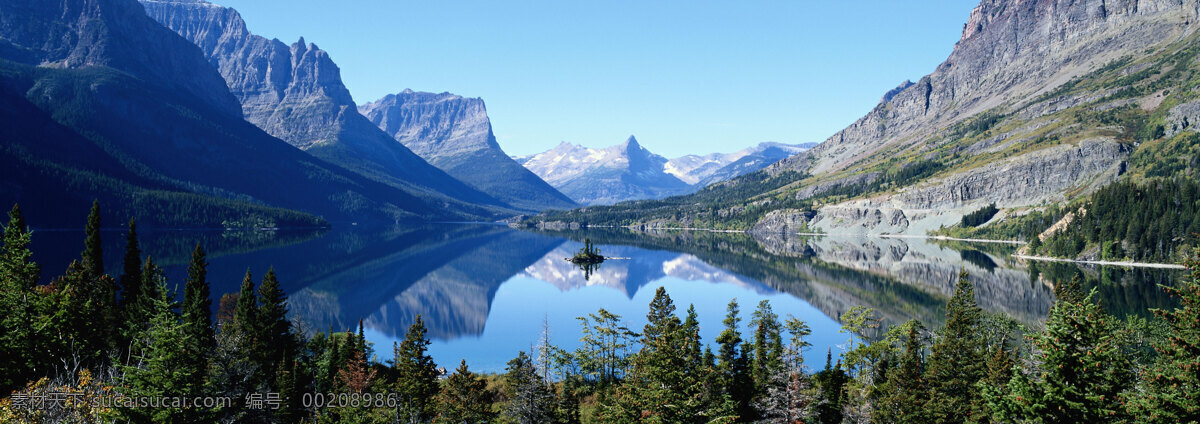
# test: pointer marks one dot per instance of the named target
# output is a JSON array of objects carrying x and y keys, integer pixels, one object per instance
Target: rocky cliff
[
  {"x": 454, "y": 133},
  {"x": 295, "y": 92},
  {"x": 1010, "y": 53}
]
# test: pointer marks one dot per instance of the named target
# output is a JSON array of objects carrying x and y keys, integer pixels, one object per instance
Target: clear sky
[{"x": 683, "y": 76}]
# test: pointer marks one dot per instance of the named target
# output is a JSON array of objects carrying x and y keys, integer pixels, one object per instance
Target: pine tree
[
  {"x": 416, "y": 375},
  {"x": 830, "y": 383},
  {"x": 1083, "y": 373},
  {"x": 956, "y": 361},
  {"x": 789, "y": 397},
  {"x": 93, "y": 256},
  {"x": 131, "y": 287},
  {"x": 245, "y": 341},
  {"x": 197, "y": 316},
  {"x": 287, "y": 383},
  {"x": 662, "y": 386},
  {"x": 529, "y": 400},
  {"x": 245, "y": 314},
  {"x": 465, "y": 399},
  {"x": 357, "y": 374},
  {"x": 275, "y": 330},
  {"x": 139, "y": 309},
  {"x": 89, "y": 310},
  {"x": 1172, "y": 385},
  {"x": 161, "y": 364},
  {"x": 768, "y": 347},
  {"x": 733, "y": 364},
  {"x": 131, "y": 275},
  {"x": 18, "y": 277},
  {"x": 905, "y": 392}
]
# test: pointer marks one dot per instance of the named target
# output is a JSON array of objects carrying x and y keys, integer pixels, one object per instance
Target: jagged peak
[{"x": 631, "y": 143}]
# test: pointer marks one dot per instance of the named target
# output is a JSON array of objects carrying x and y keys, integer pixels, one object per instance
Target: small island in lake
[{"x": 587, "y": 255}]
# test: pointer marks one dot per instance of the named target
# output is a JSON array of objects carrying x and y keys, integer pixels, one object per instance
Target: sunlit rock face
[{"x": 454, "y": 133}]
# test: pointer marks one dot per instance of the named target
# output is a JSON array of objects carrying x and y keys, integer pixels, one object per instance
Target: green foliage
[
  {"x": 1170, "y": 389},
  {"x": 93, "y": 256},
  {"x": 278, "y": 342},
  {"x": 1155, "y": 221},
  {"x": 465, "y": 399},
  {"x": 767, "y": 360},
  {"x": 161, "y": 365},
  {"x": 979, "y": 217},
  {"x": 904, "y": 393},
  {"x": 529, "y": 400},
  {"x": 1083, "y": 370},
  {"x": 604, "y": 353},
  {"x": 733, "y": 364},
  {"x": 956, "y": 361},
  {"x": 416, "y": 375},
  {"x": 18, "y": 277}
]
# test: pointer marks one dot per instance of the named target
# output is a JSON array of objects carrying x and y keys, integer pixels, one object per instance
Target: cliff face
[
  {"x": 296, "y": 94},
  {"x": 1011, "y": 52},
  {"x": 454, "y": 134}
]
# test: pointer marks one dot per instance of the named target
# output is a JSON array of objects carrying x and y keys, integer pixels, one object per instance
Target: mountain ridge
[
  {"x": 454, "y": 133},
  {"x": 629, "y": 171},
  {"x": 295, "y": 93},
  {"x": 98, "y": 110}
]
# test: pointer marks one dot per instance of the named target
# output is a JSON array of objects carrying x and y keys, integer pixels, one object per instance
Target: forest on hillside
[{"x": 89, "y": 347}]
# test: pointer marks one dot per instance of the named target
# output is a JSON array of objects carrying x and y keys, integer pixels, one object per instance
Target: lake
[{"x": 486, "y": 292}]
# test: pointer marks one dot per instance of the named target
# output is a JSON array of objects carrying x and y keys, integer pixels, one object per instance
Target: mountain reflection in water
[{"x": 486, "y": 291}]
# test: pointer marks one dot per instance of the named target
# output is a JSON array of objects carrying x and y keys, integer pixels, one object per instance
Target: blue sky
[{"x": 685, "y": 77}]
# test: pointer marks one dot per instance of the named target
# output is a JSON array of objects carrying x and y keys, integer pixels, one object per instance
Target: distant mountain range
[
  {"x": 454, "y": 134},
  {"x": 629, "y": 171}
]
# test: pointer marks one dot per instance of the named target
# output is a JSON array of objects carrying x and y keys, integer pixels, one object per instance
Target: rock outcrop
[
  {"x": 454, "y": 134},
  {"x": 1038, "y": 177}
]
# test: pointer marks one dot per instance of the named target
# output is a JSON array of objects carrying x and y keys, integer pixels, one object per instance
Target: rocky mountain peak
[
  {"x": 1011, "y": 52},
  {"x": 455, "y": 134}
]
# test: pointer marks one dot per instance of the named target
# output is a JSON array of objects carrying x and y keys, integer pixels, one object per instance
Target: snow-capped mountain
[
  {"x": 603, "y": 176},
  {"x": 630, "y": 172}
]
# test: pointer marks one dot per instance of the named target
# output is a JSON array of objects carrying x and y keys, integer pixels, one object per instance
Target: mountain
[
  {"x": 295, "y": 92},
  {"x": 100, "y": 101},
  {"x": 603, "y": 176},
  {"x": 454, "y": 134},
  {"x": 701, "y": 171},
  {"x": 1040, "y": 103},
  {"x": 630, "y": 172}
]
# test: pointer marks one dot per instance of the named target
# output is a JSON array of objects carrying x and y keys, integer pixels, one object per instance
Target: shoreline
[{"x": 1106, "y": 263}]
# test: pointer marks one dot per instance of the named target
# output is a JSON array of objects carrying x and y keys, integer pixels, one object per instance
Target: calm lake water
[{"x": 485, "y": 292}]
